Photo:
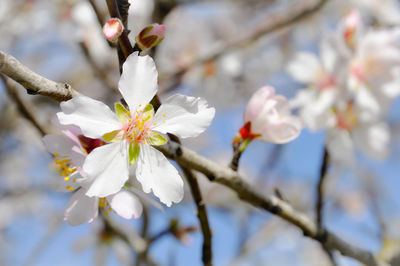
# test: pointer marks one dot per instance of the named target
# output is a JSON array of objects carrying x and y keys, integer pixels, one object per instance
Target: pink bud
[
  {"x": 113, "y": 29},
  {"x": 150, "y": 36},
  {"x": 352, "y": 24}
]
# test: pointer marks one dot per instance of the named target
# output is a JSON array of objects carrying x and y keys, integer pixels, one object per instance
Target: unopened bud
[
  {"x": 150, "y": 36},
  {"x": 113, "y": 29}
]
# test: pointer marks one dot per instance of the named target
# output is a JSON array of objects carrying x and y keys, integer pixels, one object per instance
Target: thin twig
[
  {"x": 320, "y": 200},
  {"x": 201, "y": 215},
  {"x": 320, "y": 188},
  {"x": 273, "y": 204},
  {"x": 99, "y": 72},
  {"x": 34, "y": 83}
]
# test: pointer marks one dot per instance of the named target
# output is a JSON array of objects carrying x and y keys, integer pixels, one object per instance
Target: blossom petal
[
  {"x": 156, "y": 173},
  {"x": 257, "y": 101},
  {"x": 340, "y": 146},
  {"x": 81, "y": 208},
  {"x": 107, "y": 169},
  {"x": 183, "y": 116},
  {"x": 58, "y": 144},
  {"x": 138, "y": 82},
  {"x": 304, "y": 67},
  {"x": 373, "y": 140},
  {"x": 286, "y": 129},
  {"x": 126, "y": 204},
  {"x": 93, "y": 117}
]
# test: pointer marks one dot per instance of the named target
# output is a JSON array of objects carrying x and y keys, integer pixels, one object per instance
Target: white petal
[
  {"x": 81, "y": 208},
  {"x": 107, "y": 169},
  {"x": 368, "y": 104},
  {"x": 373, "y": 140},
  {"x": 184, "y": 116},
  {"x": 328, "y": 55},
  {"x": 93, "y": 117},
  {"x": 340, "y": 146},
  {"x": 156, "y": 173},
  {"x": 58, "y": 144},
  {"x": 138, "y": 82},
  {"x": 126, "y": 204},
  {"x": 304, "y": 68}
]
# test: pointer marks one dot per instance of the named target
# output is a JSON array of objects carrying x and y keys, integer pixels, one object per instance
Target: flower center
[
  {"x": 347, "y": 119},
  {"x": 66, "y": 170},
  {"x": 137, "y": 128},
  {"x": 103, "y": 203}
]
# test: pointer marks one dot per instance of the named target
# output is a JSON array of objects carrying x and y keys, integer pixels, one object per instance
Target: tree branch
[
  {"x": 34, "y": 83},
  {"x": 201, "y": 215},
  {"x": 232, "y": 179}
]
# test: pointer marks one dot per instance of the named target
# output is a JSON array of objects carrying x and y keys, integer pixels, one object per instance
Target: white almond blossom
[
  {"x": 351, "y": 134},
  {"x": 70, "y": 150},
  {"x": 131, "y": 133},
  {"x": 322, "y": 78},
  {"x": 374, "y": 71}
]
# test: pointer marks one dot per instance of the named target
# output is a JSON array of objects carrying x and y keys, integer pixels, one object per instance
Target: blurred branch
[
  {"x": 201, "y": 215},
  {"x": 99, "y": 15},
  {"x": 97, "y": 71},
  {"x": 233, "y": 180},
  {"x": 320, "y": 188},
  {"x": 34, "y": 83},
  {"x": 320, "y": 200},
  {"x": 26, "y": 109},
  {"x": 274, "y": 23}
]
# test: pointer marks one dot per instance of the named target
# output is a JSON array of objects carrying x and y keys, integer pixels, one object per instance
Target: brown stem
[{"x": 201, "y": 215}]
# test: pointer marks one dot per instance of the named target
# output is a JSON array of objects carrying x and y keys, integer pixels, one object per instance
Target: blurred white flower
[{"x": 373, "y": 70}]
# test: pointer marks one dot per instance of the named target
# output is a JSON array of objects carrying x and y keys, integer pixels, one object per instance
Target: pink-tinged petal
[
  {"x": 81, "y": 208},
  {"x": 257, "y": 102},
  {"x": 138, "y": 82},
  {"x": 58, "y": 144},
  {"x": 282, "y": 131},
  {"x": 157, "y": 174},
  {"x": 93, "y": 117},
  {"x": 107, "y": 170},
  {"x": 183, "y": 116},
  {"x": 305, "y": 68},
  {"x": 126, "y": 204}
]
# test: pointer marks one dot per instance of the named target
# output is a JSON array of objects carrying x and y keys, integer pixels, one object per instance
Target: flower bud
[
  {"x": 150, "y": 36},
  {"x": 113, "y": 29}
]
